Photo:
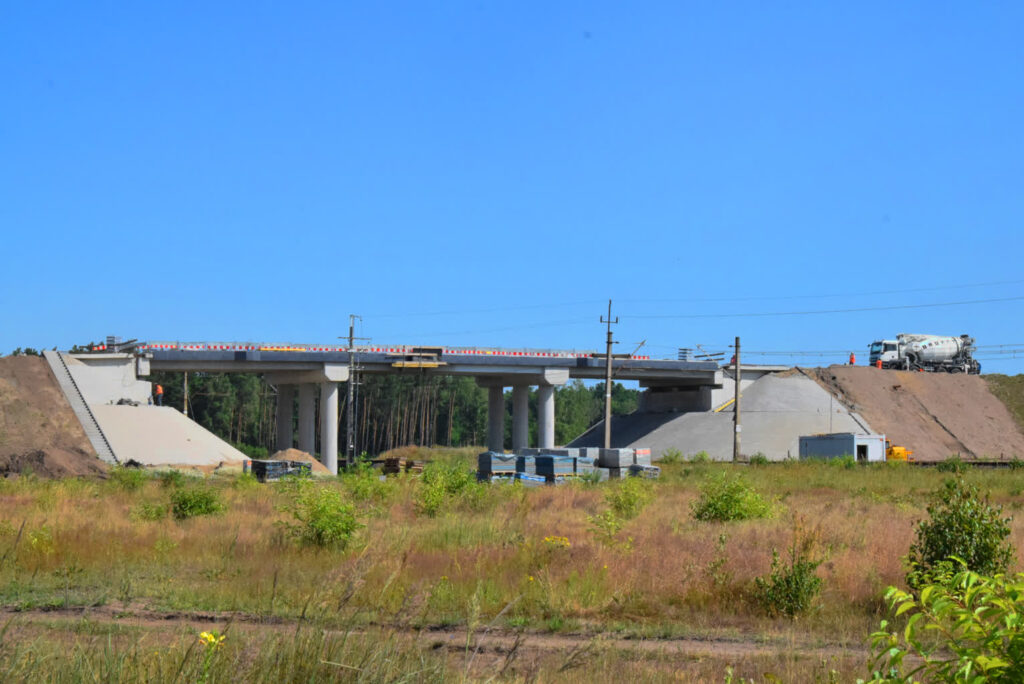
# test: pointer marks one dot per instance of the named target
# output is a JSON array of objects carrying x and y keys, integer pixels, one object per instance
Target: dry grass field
[{"x": 100, "y": 579}]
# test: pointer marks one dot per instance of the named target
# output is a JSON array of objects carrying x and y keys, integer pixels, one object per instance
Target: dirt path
[{"x": 483, "y": 641}]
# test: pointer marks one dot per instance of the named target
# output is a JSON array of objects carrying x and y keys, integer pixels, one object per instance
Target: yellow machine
[{"x": 897, "y": 453}]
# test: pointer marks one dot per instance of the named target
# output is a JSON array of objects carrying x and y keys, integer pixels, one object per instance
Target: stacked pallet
[{"x": 533, "y": 467}]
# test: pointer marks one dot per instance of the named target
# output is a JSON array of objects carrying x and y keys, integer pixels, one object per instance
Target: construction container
[
  {"x": 649, "y": 472},
  {"x": 864, "y": 448},
  {"x": 615, "y": 458},
  {"x": 494, "y": 463},
  {"x": 555, "y": 466}
]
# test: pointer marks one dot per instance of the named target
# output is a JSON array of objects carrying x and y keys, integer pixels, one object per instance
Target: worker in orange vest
[
  {"x": 853, "y": 359},
  {"x": 159, "y": 391}
]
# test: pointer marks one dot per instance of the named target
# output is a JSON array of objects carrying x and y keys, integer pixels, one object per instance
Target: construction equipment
[
  {"x": 897, "y": 453},
  {"x": 928, "y": 353}
]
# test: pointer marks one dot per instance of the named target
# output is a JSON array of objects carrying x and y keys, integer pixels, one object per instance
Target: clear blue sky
[{"x": 492, "y": 173}]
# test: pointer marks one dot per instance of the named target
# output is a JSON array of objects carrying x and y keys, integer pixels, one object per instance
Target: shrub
[
  {"x": 606, "y": 526},
  {"x": 128, "y": 479},
  {"x": 953, "y": 464},
  {"x": 791, "y": 585},
  {"x": 440, "y": 484},
  {"x": 150, "y": 511},
  {"x": 701, "y": 457},
  {"x": 670, "y": 456},
  {"x": 960, "y": 524},
  {"x": 758, "y": 459},
  {"x": 322, "y": 516},
  {"x": 364, "y": 483},
  {"x": 845, "y": 461},
  {"x": 978, "y": 625},
  {"x": 195, "y": 501},
  {"x": 171, "y": 478},
  {"x": 725, "y": 498},
  {"x": 628, "y": 497}
]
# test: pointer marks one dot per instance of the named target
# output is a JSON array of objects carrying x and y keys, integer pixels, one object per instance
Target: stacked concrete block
[
  {"x": 615, "y": 458},
  {"x": 491, "y": 463}
]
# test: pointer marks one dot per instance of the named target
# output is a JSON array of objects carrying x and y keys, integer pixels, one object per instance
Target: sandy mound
[
  {"x": 935, "y": 414},
  {"x": 38, "y": 430},
  {"x": 296, "y": 455}
]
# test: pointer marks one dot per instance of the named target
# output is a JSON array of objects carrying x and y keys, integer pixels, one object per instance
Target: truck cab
[{"x": 886, "y": 351}]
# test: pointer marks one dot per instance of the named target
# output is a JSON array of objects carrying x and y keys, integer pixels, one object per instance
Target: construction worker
[
  {"x": 853, "y": 359},
  {"x": 159, "y": 391}
]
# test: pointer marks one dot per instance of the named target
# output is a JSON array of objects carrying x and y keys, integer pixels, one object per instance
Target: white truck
[{"x": 930, "y": 353}]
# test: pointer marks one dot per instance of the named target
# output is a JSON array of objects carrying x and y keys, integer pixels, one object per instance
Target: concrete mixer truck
[{"x": 930, "y": 353}]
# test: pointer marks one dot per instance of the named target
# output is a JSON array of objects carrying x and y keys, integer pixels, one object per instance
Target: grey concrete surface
[
  {"x": 775, "y": 412},
  {"x": 154, "y": 435}
]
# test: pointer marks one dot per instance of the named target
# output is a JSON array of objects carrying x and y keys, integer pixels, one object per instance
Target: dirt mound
[
  {"x": 38, "y": 429},
  {"x": 296, "y": 455},
  {"x": 935, "y": 414}
]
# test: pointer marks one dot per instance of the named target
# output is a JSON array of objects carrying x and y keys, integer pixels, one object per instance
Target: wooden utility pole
[
  {"x": 736, "y": 403},
  {"x": 608, "y": 378}
]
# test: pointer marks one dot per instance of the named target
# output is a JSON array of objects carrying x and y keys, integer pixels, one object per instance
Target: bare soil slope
[
  {"x": 38, "y": 429},
  {"x": 935, "y": 414}
]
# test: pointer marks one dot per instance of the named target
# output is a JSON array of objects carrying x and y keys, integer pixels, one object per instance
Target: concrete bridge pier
[
  {"x": 545, "y": 416},
  {"x": 520, "y": 416},
  {"x": 285, "y": 416},
  {"x": 496, "y": 418},
  {"x": 307, "y": 418},
  {"x": 329, "y": 426},
  {"x": 326, "y": 378}
]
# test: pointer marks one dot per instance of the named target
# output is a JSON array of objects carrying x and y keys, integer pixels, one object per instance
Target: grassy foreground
[{"x": 425, "y": 574}]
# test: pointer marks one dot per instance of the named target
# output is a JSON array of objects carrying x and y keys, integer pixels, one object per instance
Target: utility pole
[
  {"x": 184, "y": 396},
  {"x": 736, "y": 415},
  {"x": 608, "y": 378},
  {"x": 350, "y": 414}
]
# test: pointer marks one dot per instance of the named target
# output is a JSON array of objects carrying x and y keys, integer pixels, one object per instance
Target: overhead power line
[{"x": 755, "y": 314}]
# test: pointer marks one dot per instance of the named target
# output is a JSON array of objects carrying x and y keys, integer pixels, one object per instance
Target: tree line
[{"x": 391, "y": 410}]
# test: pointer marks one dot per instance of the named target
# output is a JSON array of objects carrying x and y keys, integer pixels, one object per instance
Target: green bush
[
  {"x": 628, "y": 497},
  {"x": 962, "y": 524},
  {"x": 724, "y": 498},
  {"x": 128, "y": 479},
  {"x": 758, "y": 459},
  {"x": 791, "y": 586},
  {"x": 442, "y": 484},
  {"x": 846, "y": 461},
  {"x": 363, "y": 483},
  {"x": 193, "y": 502},
  {"x": 953, "y": 464},
  {"x": 150, "y": 511},
  {"x": 701, "y": 457},
  {"x": 968, "y": 629},
  {"x": 322, "y": 516},
  {"x": 171, "y": 478},
  {"x": 670, "y": 456}
]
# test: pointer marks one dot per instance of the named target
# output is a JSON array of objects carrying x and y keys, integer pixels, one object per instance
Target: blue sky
[{"x": 491, "y": 174}]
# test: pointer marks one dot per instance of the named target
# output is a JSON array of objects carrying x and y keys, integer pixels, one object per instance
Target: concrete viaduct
[{"x": 301, "y": 371}]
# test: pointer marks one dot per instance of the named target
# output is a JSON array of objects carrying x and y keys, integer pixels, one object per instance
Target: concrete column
[
  {"x": 285, "y": 415},
  {"x": 520, "y": 417},
  {"x": 496, "y": 418},
  {"x": 329, "y": 426},
  {"x": 307, "y": 418},
  {"x": 545, "y": 417}
]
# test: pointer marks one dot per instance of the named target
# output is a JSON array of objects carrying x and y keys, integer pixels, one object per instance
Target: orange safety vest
[
  {"x": 159, "y": 389},
  {"x": 853, "y": 359}
]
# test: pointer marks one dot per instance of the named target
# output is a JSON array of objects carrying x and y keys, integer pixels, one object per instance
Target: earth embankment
[
  {"x": 38, "y": 430},
  {"x": 937, "y": 415}
]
